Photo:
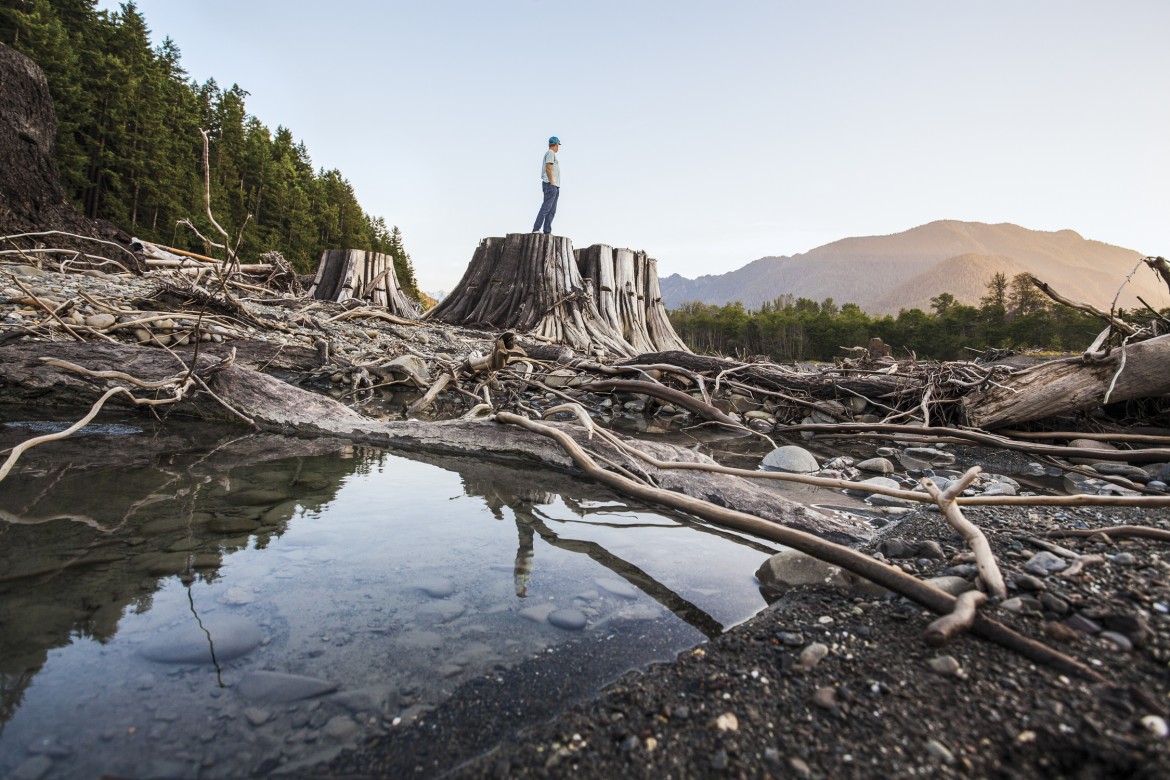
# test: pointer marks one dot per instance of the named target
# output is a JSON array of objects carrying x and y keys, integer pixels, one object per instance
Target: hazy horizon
[{"x": 709, "y": 136}]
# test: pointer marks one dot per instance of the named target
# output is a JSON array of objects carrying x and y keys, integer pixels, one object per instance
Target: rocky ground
[{"x": 829, "y": 682}]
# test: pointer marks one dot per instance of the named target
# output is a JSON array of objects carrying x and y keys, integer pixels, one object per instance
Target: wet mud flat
[{"x": 831, "y": 683}]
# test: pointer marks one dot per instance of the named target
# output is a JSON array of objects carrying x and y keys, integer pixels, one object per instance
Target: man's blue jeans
[{"x": 548, "y": 209}]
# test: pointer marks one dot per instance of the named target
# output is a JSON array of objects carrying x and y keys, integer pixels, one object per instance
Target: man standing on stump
[{"x": 550, "y": 181}]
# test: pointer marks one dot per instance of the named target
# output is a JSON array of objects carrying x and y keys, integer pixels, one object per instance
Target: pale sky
[{"x": 710, "y": 134}]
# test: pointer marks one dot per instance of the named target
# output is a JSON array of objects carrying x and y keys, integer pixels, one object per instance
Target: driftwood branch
[
  {"x": 1079, "y": 563},
  {"x": 1160, "y": 267},
  {"x": 663, "y": 393},
  {"x": 429, "y": 397},
  {"x": 113, "y": 244},
  {"x": 1118, "y": 531},
  {"x": 1116, "y": 323},
  {"x": 24, "y": 446},
  {"x": 849, "y": 559},
  {"x": 987, "y": 439},
  {"x": 231, "y": 256},
  {"x": 947, "y": 627},
  {"x": 984, "y": 557}
]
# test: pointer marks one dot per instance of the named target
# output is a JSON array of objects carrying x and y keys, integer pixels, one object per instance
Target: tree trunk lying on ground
[
  {"x": 597, "y": 300},
  {"x": 1140, "y": 370}
]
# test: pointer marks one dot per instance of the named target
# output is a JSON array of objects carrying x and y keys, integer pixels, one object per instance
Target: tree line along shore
[
  {"x": 1012, "y": 315},
  {"x": 129, "y": 148}
]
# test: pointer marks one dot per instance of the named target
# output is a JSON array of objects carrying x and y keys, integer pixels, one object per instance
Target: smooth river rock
[
  {"x": 568, "y": 619},
  {"x": 232, "y": 636},
  {"x": 277, "y": 687},
  {"x": 436, "y": 587},
  {"x": 791, "y": 569},
  {"x": 790, "y": 458},
  {"x": 1089, "y": 444},
  {"x": 877, "y": 466},
  {"x": 618, "y": 588}
]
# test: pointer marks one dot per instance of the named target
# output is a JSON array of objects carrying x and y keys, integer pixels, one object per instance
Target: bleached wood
[
  {"x": 355, "y": 274},
  {"x": 1072, "y": 385}
]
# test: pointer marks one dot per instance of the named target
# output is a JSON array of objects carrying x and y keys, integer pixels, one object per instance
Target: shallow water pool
[{"x": 183, "y": 602}]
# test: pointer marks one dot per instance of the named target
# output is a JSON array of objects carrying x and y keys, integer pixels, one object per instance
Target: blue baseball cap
[{"x": 554, "y": 141}]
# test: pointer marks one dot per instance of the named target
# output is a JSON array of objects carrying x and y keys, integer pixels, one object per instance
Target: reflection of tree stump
[
  {"x": 597, "y": 299},
  {"x": 345, "y": 274}
]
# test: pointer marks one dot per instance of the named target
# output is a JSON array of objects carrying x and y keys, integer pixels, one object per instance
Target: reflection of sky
[{"x": 335, "y": 597}]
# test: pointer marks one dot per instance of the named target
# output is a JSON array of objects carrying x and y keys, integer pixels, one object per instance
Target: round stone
[
  {"x": 877, "y": 466},
  {"x": 790, "y": 458},
  {"x": 230, "y": 636},
  {"x": 568, "y": 619},
  {"x": 277, "y": 687},
  {"x": 1044, "y": 563},
  {"x": 618, "y": 588},
  {"x": 436, "y": 587}
]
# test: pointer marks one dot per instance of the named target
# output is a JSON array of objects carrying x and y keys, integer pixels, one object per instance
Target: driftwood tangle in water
[
  {"x": 355, "y": 274},
  {"x": 596, "y": 300}
]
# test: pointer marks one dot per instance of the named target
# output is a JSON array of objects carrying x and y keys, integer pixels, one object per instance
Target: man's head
[{"x": 554, "y": 143}]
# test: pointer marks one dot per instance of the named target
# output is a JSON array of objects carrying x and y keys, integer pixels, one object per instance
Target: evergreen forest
[
  {"x": 129, "y": 147},
  {"x": 1012, "y": 315}
]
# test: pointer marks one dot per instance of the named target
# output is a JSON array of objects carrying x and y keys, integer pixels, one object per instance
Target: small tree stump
[{"x": 345, "y": 274}]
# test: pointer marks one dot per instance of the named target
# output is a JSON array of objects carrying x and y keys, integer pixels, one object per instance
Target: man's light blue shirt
[{"x": 551, "y": 157}]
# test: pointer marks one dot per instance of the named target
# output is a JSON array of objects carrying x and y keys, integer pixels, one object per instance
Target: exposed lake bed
[{"x": 120, "y": 542}]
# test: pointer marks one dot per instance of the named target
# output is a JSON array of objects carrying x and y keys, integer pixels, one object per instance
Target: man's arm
[{"x": 548, "y": 172}]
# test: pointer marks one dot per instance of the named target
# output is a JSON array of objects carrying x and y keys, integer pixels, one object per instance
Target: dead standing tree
[
  {"x": 354, "y": 274},
  {"x": 596, "y": 300}
]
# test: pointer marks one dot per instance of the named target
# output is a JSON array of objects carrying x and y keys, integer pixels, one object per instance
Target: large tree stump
[
  {"x": 595, "y": 300},
  {"x": 346, "y": 274}
]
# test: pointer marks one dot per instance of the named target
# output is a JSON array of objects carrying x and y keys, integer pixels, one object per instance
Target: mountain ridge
[{"x": 883, "y": 274}]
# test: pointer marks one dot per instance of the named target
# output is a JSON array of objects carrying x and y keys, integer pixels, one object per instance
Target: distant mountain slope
[
  {"x": 964, "y": 277},
  {"x": 883, "y": 274}
]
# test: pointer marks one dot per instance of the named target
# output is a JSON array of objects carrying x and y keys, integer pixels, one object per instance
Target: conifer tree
[{"x": 129, "y": 146}]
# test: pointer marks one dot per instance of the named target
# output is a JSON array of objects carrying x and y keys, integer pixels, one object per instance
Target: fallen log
[
  {"x": 1072, "y": 385},
  {"x": 662, "y": 393}
]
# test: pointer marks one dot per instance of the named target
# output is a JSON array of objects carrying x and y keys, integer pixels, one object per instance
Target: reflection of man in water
[{"x": 522, "y": 570}]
